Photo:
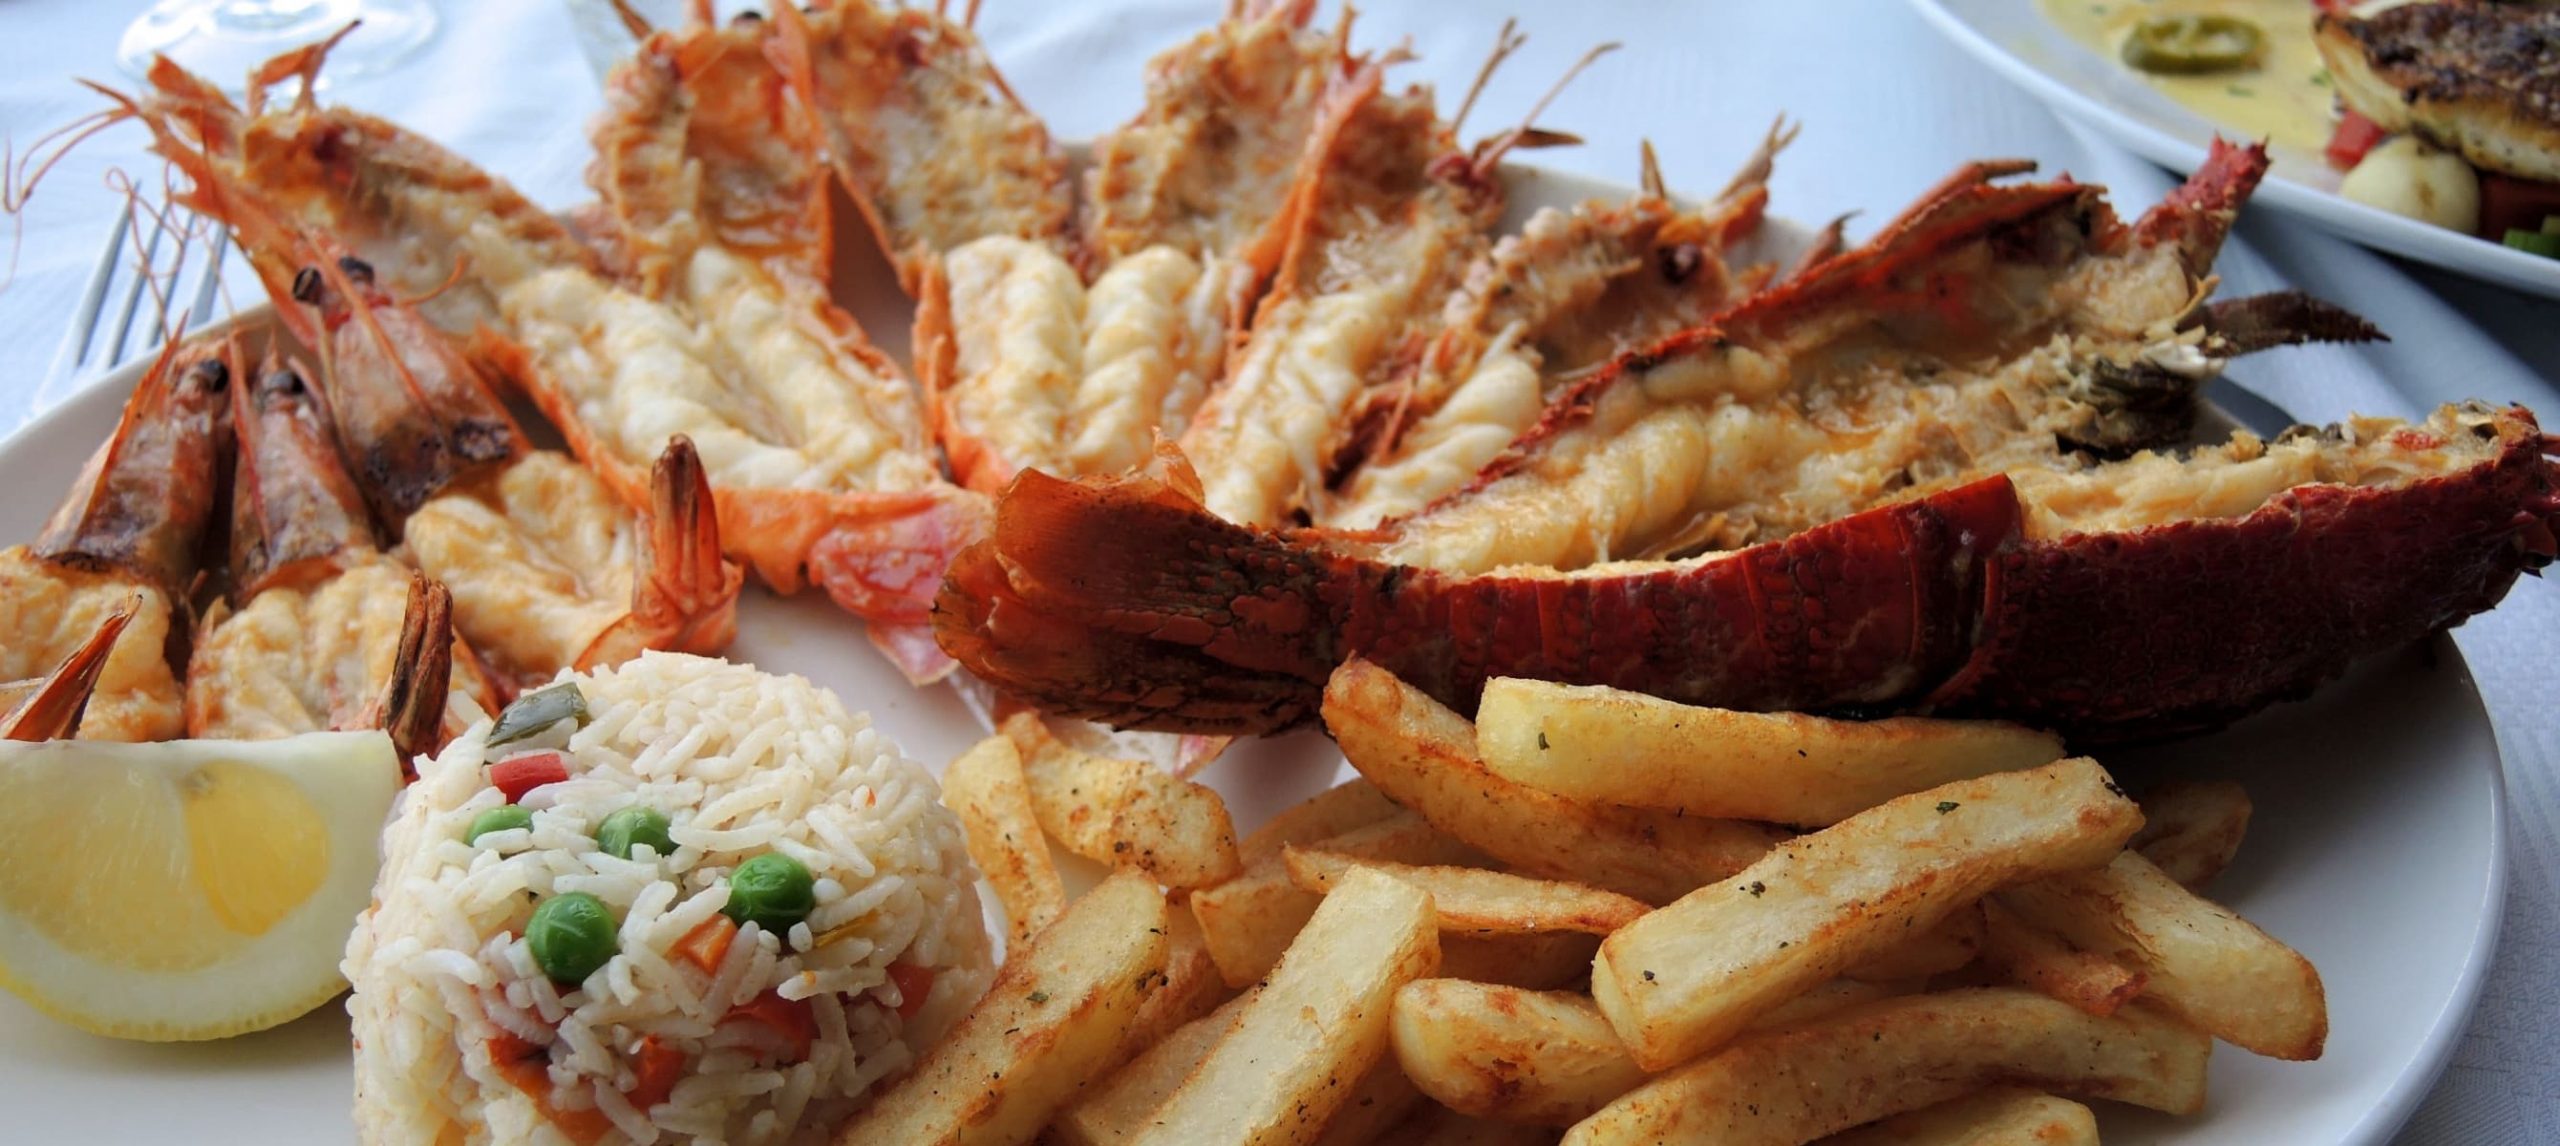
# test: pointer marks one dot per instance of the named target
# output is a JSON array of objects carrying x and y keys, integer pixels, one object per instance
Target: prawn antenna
[
  {"x": 21, "y": 172},
  {"x": 1755, "y": 170},
  {"x": 1654, "y": 187},
  {"x": 302, "y": 63},
  {"x": 1505, "y": 42},
  {"x": 1527, "y": 134},
  {"x": 632, "y": 21}
]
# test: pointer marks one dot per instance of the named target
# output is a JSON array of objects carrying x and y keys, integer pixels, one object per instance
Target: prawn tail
[
  {"x": 54, "y": 709},
  {"x": 686, "y": 590},
  {"x": 412, "y": 705}
]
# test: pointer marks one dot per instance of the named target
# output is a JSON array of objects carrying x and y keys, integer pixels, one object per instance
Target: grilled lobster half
[{"x": 1928, "y": 473}]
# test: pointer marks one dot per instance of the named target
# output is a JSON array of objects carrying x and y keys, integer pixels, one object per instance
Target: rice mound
[{"x": 742, "y": 763}]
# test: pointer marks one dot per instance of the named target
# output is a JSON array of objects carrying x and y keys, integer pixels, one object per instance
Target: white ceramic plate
[
  {"x": 2014, "y": 37},
  {"x": 2377, "y": 849}
]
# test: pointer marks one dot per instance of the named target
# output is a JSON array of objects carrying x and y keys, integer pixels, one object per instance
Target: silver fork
[{"x": 101, "y": 336}]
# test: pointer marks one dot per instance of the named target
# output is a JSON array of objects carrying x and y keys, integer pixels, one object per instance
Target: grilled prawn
[
  {"x": 1541, "y": 310},
  {"x": 1188, "y": 207},
  {"x": 814, "y": 445},
  {"x": 1394, "y": 214},
  {"x": 932, "y": 145},
  {"x": 811, "y": 443},
  {"x": 322, "y": 630},
  {"x": 547, "y": 570},
  {"x": 127, "y": 539},
  {"x": 434, "y": 227}
]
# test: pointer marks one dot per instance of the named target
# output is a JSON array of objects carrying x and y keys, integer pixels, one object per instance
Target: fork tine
[
  {"x": 165, "y": 309},
  {"x": 207, "y": 288},
  {"x": 74, "y": 351},
  {"x": 133, "y": 296}
]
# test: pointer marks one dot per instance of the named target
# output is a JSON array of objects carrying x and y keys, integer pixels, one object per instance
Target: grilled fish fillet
[{"x": 2480, "y": 79}]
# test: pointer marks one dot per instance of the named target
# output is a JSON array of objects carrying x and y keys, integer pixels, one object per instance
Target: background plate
[
  {"x": 2018, "y": 42},
  {"x": 2378, "y": 849}
]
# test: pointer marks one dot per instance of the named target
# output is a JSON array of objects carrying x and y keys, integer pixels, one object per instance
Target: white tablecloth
[{"x": 1889, "y": 108}]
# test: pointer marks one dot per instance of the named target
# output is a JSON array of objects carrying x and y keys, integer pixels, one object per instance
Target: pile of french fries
[{"x": 1598, "y": 917}]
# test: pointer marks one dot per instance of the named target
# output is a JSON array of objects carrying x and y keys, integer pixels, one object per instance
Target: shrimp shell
[
  {"x": 1395, "y": 215},
  {"x": 325, "y": 632},
  {"x": 932, "y": 145}
]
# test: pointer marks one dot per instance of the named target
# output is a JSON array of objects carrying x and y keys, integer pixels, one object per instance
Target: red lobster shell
[{"x": 1123, "y": 601}]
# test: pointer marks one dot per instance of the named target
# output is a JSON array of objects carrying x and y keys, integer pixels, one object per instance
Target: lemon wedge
[{"x": 188, "y": 890}]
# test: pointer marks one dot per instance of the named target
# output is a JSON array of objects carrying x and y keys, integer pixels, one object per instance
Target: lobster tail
[
  {"x": 1186, "y": 622},
  {"x": 2107, "y": 636},
  {"x": 1180, "y": 611}
]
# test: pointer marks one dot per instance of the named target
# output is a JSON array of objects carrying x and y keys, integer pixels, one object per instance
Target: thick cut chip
[
  {"x": 2035, "y": 958},
  {"x": 985, "y": 787},
  {"x": 1382, "y": 1098},
  {"x": 1544, "y": 1057},
  {"x": 1681, "y": 980},
  {"x": 1423, "y": 756},
  {"x": 1117, "y": 1110},
  {"x": 1307, "y": 1035},
  {"x": 2001, "y": 1116},
  {"x": 1791, "y": 1086},
  {"x": 1479, "y": 901},
  {"x": 1536, "y": 961},
  {"x": 1950, "y": 946},
  {"x": 2192, "y": 828},
  {"x": 1056, "y": 1018},
  {"x": 1190, "y": 987},
  {"x": 1342, "y": 808},
  {"x": 1249, "y": 920},
  {"x": 1610, "y": 746},
  {"x": 1126, "y": 813},
  {"x": 2204, "y": 964},
  {"x": 1437, "y": 1125},
  {"x": 1828, "y": 999}
]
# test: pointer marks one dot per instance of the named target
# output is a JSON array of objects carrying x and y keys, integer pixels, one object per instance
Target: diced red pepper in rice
[
  {"x": 517, "y": 775},
  {"x": 914, "y": 983},
  {"x": 707, "y": 944},
  {"x": 655, "y": 1070},
  {"x": 793, "y": 1022}
]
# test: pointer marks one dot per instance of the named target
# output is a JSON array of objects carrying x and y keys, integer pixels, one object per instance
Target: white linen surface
[{"x": 1888, "y": 109}]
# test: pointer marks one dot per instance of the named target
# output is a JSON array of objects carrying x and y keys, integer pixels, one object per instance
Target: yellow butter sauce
[{"x": 2285, "y": 96}]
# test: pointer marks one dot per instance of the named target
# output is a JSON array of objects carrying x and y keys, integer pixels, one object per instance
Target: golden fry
[
  {"x": 1790, "y": 1086},
  {"x": 1609, "y": 746},
  {"x": 1057, "y": 1015},
  {"x": 986, "y": 789},
  {"x": 1480, "y": 901},
  {"x": 2204, "y": 964},
  {"x": 1423, "y": 756},
  {"x": 1680, "y": 981}
]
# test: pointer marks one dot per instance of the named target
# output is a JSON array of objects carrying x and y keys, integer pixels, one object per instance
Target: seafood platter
[{"x": 1328, "y": 634}]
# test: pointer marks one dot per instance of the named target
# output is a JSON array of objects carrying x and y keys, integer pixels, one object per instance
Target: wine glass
[{"x": 223, "y": 40}]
